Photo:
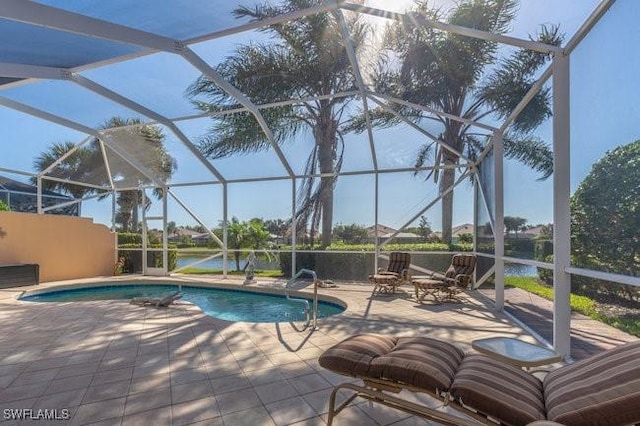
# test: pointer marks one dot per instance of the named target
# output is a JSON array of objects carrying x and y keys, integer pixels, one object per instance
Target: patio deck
[{"x": 112, "y": 363}]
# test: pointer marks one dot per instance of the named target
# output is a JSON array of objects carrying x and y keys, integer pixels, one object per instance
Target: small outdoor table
[{"x": 516, "y": 352}]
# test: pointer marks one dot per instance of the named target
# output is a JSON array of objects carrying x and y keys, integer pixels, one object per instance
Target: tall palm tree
[
  {"x": 303, "y": 58},
  {"x": 463, "y": 76}
]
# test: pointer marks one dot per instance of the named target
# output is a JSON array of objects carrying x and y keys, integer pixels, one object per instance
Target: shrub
[
  {"x": 133, "y": 258},
  {"x": 465, "y": 238},
  {"x": 4, "y": 207},
  {"x": 542, "y": 249},
  {"x": 519, "y": 246},
  {"x": 546, "y": 275},
  {"x": 128, "y": 238}
]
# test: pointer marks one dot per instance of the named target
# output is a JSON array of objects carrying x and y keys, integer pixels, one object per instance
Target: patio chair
[
  {"x": 158, "y": 302},
  {"x": 396, "y": 274},
  {"x": 603, "y": 389},
  {"x": 445, "y": 286}
]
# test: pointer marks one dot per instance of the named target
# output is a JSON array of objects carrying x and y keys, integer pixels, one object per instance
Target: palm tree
[
  {"x": 86, "y": 165},
  {"x": 76, "y": 167},
  {"x": 462, "y": 76},
  {"x": 145, "y": 143},
  {"x": 304, "y": 58}
]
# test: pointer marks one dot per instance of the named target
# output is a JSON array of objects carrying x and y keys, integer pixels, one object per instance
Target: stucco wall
[{"x": 65, "y": 247}]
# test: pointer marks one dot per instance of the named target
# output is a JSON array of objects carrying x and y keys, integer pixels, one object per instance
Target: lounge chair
[
  {"x": 601, "y": 390},
  {"x": 158, "y": 302},
  {"x": 396, "y": 274},
  {"x": 445, "y": 286}
]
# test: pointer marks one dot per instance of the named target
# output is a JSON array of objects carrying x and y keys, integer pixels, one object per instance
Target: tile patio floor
[{"x": 112, "y": 363}]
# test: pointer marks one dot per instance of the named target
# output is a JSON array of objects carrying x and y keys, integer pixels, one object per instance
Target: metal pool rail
[{"x": 304, "y": 301}]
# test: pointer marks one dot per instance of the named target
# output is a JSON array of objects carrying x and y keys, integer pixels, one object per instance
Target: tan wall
[{"x": 65, "y": 247}]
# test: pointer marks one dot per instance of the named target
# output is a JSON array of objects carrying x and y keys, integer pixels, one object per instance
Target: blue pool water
[{"x": 230, "y": 305}]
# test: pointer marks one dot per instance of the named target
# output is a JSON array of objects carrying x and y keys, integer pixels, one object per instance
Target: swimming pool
[{"x": 226, "y": 304}]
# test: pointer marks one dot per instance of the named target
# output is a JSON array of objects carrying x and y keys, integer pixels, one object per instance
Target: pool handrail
[{"x": 304, "y": 301}]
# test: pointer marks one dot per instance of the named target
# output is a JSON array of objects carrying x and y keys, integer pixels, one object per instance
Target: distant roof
[
  {"x": 11, "y": 185},
  {"x": 465, "y": 228},
  {"x": 381, "y": 230},
  {"x": 401, "y": 235}
]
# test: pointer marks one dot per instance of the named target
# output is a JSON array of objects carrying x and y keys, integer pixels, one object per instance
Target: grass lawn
[{"x": 581, "y": 304}]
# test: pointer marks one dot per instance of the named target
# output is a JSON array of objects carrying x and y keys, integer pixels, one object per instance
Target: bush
[
  {"x": 542, "y": 249},
  {"x": 133, "y": 258},
  {"x": 519, "y": 246},
  {"x": 402, "y": 247},
  {"x": 546, "y": 275},
  {"x": 4, "y": 207},
  {"x": 128, "y": 238},
  {"x": 465, "y": 238}
]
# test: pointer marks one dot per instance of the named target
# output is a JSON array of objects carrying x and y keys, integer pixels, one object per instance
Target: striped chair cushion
[
  {"x": 603, "y": 389},
  {"x": 398, "y": 261},
  {"x": 421, "y": 362},
  {"x": 353, "y": 356},
  {"x": 461, "y": 264},
  {"x": 499, "y": 390}
]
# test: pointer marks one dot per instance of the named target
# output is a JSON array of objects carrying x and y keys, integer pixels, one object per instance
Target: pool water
[{"x": 230, "y": 305}]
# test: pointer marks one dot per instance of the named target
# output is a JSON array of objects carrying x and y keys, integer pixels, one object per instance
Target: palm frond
[{"x": 531, "y": 151}]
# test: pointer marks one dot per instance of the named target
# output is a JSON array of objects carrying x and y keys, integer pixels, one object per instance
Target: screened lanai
[{"x": 72, "y": 66}]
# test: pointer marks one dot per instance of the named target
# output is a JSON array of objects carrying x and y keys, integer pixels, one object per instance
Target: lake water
[
  {"x": 231, "y": 263},
  {"x": 509, "y": 268}
]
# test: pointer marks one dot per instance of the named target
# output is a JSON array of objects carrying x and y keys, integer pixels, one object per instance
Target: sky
[{"x": 604, "y": 115}]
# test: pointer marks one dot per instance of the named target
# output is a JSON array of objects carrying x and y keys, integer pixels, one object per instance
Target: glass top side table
[{"x": 516, "y": 352}]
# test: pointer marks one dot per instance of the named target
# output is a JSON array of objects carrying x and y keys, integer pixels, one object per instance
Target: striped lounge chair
[
  {"x": 601, "y": 390},
  {"x": 396, "y": 274}
]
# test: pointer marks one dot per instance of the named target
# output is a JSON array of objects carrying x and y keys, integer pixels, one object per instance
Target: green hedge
[
  {"x": 133, "y": 258},
  {"x": 129, "y": 238},
  {"x": 402, "y": 247},
  {"x": 519, "y": 246}
]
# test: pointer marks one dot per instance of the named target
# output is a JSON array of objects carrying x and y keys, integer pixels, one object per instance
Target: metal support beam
[
  {"x": 415, "y": 20},
  {"x": 438, "y": 198},
  {"x": 143, "y": 213},
  {"x": 294, "y": 227},
  {"x": 39, "y": 195},
  {"x": 376, "y": 211},
  {"x": 232, "y": 91},
  {"x": 165, "y": 237},
  {"x": 134, "y": 106},
  {"x": 432, "y": 111},
  {"x": 194, "y": 216},
  {"x": 351, "y": 53},
  {"x": 225, "y": 229},
  {"x": 414, "y": 126},
  {"x": 498, "y": 235},
  {"x": 561, "y": 210}
]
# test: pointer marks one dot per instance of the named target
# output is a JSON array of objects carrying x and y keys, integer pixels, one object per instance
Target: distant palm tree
[
  {"x": 145, "y": 143},
  {"x": 303, "y": 58},
  {"x": 86, "y": 165},
  {"x": 463, "y": 76},
  {"x": 76, "y": 167}
]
